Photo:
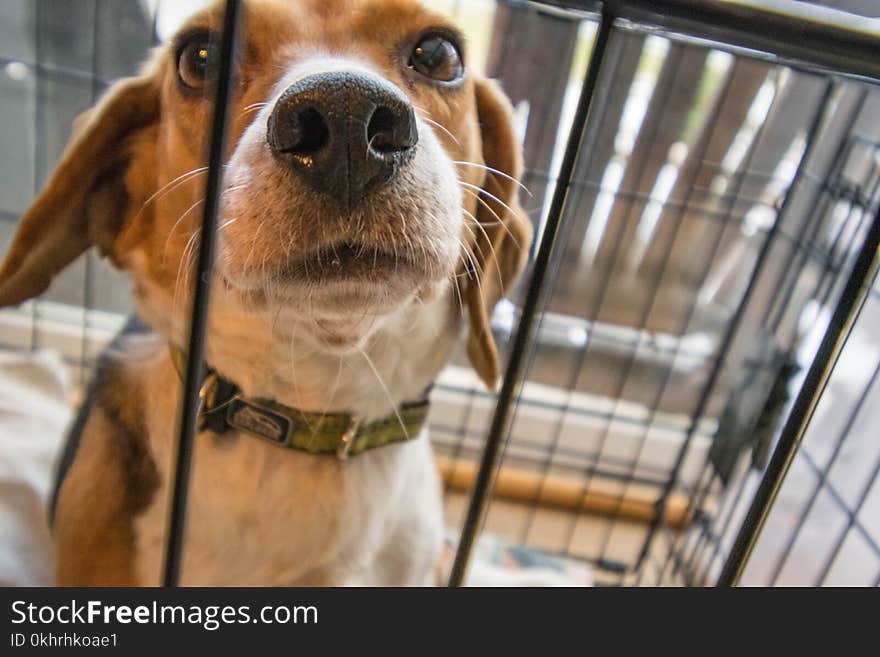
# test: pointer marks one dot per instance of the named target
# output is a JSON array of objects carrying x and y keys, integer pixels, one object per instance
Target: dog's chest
[{"x": 260, "y": 514}]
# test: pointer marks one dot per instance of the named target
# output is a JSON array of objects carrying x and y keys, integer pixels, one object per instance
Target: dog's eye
[
  {"x": 195, "y": 63},
  {"x": 437, "y": 58}
]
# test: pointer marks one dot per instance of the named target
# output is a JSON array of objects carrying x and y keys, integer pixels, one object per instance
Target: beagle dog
[{"x": 368, "y": 216}]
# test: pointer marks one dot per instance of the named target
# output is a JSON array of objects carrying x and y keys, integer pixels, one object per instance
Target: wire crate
[{"x": 695, "y": 337}]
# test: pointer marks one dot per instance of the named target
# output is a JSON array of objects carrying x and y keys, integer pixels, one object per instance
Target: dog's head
[{"x": 368, "y": 168}]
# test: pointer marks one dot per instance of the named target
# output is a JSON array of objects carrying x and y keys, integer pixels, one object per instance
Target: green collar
[{"x": 222, "y": 408}]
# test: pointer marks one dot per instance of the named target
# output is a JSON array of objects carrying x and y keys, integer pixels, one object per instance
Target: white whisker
[
  {"x": 427, "y": 117},
  {"x": 495, "y": 171},
  {"x": 498, "y": 222},
  {"x": 385, "y": 389}
]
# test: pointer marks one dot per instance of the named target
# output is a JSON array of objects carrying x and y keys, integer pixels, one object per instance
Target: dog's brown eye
[
  {"x": 437, "y": 58},
  {"x": 195, "y": 63}
]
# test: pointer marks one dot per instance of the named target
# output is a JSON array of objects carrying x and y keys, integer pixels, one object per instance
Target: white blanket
[{"x": 34, "y": 413}]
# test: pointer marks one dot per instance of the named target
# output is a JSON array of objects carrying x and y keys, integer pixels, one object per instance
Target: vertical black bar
[
  {"x": 659, "y": 504},
  {"x": 778, "y": 310},
  {"x": 194, "y": 364},
  {"x": 822, "y": 481},
  {"x": 733, "y": 327},
  {"x": 513, "y": 374},
  {"x": 801, "y": 412},
  {"x": 581, "y": 189}
]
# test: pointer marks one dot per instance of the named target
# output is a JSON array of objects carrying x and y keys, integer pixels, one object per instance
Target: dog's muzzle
[{"x": 345, "y": 133}]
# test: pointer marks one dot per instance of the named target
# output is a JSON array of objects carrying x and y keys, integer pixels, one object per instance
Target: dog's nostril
[
  {"x": 389, "y": 132},
  {"x": 380, "y": 129},
  {"x": 298, "y": 131},
  {"x": 312, "y": 133}
]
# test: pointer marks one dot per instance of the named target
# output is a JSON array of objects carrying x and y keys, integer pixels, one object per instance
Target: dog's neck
[{"x": 283, "y": 356}]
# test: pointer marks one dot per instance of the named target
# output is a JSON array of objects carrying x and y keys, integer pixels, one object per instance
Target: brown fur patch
[{"x": 112, "y": 479}]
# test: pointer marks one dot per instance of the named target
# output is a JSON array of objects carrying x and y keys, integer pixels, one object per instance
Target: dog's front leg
[{"x": 94, "y": 532}]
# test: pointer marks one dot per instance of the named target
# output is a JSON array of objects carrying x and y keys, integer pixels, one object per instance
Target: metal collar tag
[{"x": 259, "y": 421}]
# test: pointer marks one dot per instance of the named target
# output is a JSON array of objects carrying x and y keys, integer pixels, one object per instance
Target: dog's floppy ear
[
  {"x": 502, "y": 246},
  {"x": 85, "y": 200}
]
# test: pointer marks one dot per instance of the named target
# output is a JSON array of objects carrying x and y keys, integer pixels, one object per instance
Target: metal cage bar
[
  {"x": 791, "y": 32},
  {"x": 857, "y": 286},
  {"x": 736, "y": 319},
  {"x": 201, "y": 295},
  {"x": 735, "y": 24},
  {"x": 513, "y": 373},
  {"x": 703, "y": 541}
]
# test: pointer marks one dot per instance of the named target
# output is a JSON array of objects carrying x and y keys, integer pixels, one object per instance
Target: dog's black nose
[{"x": 346, "y": 133}]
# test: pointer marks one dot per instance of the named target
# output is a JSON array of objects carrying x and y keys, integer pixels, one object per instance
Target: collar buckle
[
  {"x": 347, "y": 439},
  {"x": 206, "y": 393}
]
